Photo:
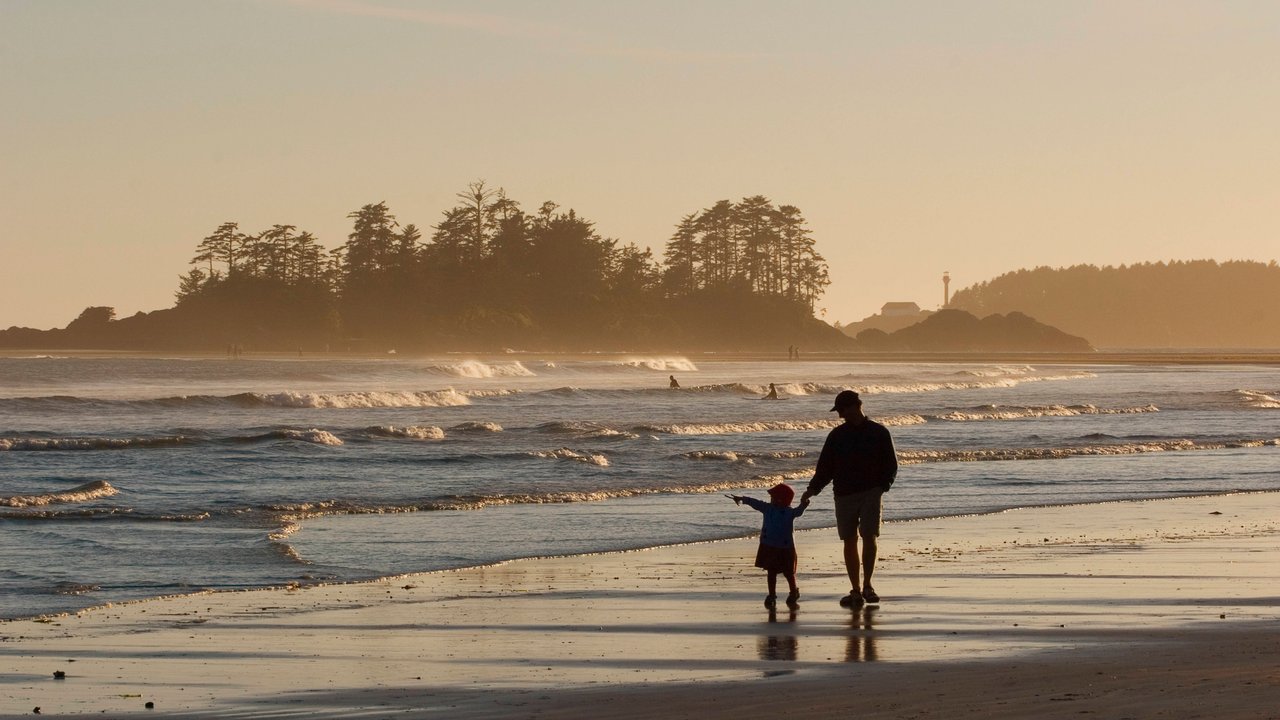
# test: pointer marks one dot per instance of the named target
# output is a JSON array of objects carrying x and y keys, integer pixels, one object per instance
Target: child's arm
[
  {"x": 804, "y": 503},
  {"x": 737, "y": 499}
]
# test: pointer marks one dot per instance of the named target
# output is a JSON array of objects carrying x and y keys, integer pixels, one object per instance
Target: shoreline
[
  {"x": 294, "y": 585},
  {"x": 679, "y": 629}
]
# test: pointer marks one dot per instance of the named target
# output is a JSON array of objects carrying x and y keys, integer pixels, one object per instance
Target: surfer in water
[
  {"x": 773, "y": 393},
  {"x": 674, "y": 385}
]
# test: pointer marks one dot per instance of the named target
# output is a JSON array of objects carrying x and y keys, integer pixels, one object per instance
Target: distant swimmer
[
  {"x": 674, "y": 385},
  {"x": 773, "y": 393}
]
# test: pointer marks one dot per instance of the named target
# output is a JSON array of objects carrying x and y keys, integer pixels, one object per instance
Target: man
[{"x": 859, "y": 460}]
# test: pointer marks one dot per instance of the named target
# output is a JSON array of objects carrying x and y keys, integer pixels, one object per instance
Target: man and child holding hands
[{"x": 859, "y": 462}]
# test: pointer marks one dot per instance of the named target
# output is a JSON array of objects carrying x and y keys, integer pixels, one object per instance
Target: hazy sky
[{"x": 916, "y": 137}]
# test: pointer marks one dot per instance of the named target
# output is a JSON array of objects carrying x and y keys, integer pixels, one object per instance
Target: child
[{"x": 777, "y": 553}]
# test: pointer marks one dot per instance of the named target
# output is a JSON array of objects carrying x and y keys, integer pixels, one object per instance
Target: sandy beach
[{"x": 1162, "y": 608}]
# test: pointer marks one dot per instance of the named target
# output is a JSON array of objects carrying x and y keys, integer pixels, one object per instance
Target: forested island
[
  {"x": 735, "y": 276},
  {"x": 490, "y": 276},
  {"x": 1179, "y": 304}
]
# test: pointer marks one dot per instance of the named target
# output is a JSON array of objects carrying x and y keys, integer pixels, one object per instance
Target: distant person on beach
[
  {"x": 859, "y": 461},
  {"x": 773, "y": 393},
  {"x": 674, "y": 385},
  {"x": 777, "y": 551}
]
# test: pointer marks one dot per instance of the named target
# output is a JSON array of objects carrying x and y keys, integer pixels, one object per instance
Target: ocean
[{"x": 129, "y": 477}]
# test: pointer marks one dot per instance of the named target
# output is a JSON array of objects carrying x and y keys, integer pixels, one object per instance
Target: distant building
[
  {"x": 892, "y": 316},
  {"x": 894, "y": 309}
]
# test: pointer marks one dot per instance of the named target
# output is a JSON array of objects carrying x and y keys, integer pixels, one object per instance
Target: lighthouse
[{"x": 946, "y": 288}]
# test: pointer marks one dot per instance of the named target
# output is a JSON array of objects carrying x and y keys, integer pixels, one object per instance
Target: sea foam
[
  {"x": 426, "y": 398},
  {"x": 412, "y": 432},
  {"x": 1260, "y": 400},
  {"x": 80, "y": 493},
  {"x": 319, "y": 437},
  {"x": 88, "y": 443},
  {"x": 1000, "y": 412},
  {"x": 477, "y": 369},
  {"x": 567, "y": 454},
  {"x": 661, "y": 364}
]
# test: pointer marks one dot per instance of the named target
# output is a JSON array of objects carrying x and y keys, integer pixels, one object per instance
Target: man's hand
[{"x": 804, "y": 497}]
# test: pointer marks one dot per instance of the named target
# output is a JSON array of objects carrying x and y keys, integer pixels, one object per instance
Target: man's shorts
[{"x": 858, "y": 514}]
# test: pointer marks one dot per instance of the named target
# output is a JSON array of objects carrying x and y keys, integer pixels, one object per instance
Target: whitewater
[{"x": 127, "y": 477}]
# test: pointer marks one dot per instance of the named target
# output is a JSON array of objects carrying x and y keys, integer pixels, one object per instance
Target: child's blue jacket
[{"x": 778, "y": 522}]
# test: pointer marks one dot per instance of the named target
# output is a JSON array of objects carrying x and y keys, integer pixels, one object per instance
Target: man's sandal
[{"x": 852, "y": 600}]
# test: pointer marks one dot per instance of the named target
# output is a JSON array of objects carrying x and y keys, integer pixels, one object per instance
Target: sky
[{"x": 971, "y": 137}]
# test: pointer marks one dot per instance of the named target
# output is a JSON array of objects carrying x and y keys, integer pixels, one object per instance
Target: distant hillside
[
  {"x": 728, "y": 322},
  {"x": 959, "y": 331},
  {"x": 1193, "y": 304}
]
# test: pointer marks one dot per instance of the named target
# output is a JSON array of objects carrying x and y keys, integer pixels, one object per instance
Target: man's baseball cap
[{"x": 845, "y": 398}]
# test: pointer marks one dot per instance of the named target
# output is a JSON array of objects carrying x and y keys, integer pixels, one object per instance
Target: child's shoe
[
  {"x": 793, "y": 599},
  {"x": 771, "y": 601}
]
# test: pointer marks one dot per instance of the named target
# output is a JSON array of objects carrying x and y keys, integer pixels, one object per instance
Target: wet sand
[{"x": 1164, "y": 608}]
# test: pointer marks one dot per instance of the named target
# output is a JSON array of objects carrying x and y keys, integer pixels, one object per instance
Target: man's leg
[
  {"x": 869, "y": 524},
  {"x": 851, "y": 562},
  {"x": 868, "y": 565}
]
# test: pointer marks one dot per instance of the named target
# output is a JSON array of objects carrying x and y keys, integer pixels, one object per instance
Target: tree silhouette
[
  {"x": 493, "y": 274},
  {"x": 748, "y": 247}
]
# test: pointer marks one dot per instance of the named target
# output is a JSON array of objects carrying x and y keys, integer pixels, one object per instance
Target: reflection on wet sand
[
  {"x": 862, "y": 638},
  {"x": 779, "y": 646}
]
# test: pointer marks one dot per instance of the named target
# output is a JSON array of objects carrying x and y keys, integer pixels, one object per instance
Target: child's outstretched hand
[{"x": 737, "y": 499}]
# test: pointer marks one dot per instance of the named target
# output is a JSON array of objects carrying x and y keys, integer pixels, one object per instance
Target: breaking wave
[
  {"x": 1001, "y": 381},
  {"x": 478, "y": 369},
  {"x": 660, "y": 364},
  {"x": 745, "y": 458},
  {"x": 285, "y": 399},
  {"x": 1001, "y": 412},
  {"x": 999, "y": 371},
  {"x": 1260, "y": 400},
  {"x": 80, "y": 493},
  {"x": 412, "y": 432},
  {"x": 319, "y": 437},
  {"x": 474, "y": 427},
  {"x": 426, "y": 398},
  {"x": 296, "y": 512},
  {"x": 125, "y": 514},
  {"x": 567, "y": 454},
  {"x": 730, "y": 428},
  {"x": 585, "y": 429},
  {"x": 89, "y": 443},
  {"x": 909, "y": 457}
]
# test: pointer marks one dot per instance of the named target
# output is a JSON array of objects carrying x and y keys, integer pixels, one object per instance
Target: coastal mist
[{"x": 131, "y": 477}]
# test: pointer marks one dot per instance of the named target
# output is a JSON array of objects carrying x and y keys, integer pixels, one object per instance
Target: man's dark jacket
[{"x": 856, "y": 457}]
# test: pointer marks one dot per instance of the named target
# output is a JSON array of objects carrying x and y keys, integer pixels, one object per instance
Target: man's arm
[
  {"x": 889, "y": 462},
  {"x": 822, "y": 474}
]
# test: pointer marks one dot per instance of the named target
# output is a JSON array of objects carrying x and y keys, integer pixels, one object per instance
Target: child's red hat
[{"x": 783, "y": 492}]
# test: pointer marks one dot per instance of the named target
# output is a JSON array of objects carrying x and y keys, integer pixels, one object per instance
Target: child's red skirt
[{"x": 776, "y": 559}]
